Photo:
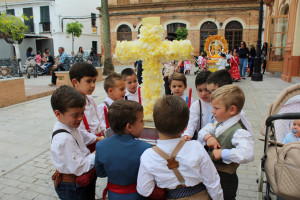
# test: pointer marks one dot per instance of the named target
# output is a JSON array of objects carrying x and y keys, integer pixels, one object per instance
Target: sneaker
[{"x": 51, "y": 84}]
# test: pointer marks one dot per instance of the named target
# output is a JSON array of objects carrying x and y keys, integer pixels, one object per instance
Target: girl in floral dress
[{"x": 234, "y": 70}]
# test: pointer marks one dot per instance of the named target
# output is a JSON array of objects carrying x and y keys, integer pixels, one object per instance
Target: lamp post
[{"x": 257, "y": 76}]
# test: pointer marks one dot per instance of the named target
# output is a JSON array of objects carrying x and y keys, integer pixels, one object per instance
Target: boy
[
  {"x": 222, "y": 63},
  {"x": 178, "y": 85},
  {"x": 200, "y": 111},
  {"x": 114, "y": 86},
  {"x": 229, "y": 143},
  {"x": 69, "y": 154},
  {"x": 191, "y": 174},
  {"x": 118, "y": 157},
  {"x": 218, "y": 79},
  {"x": 83, "y": 77},
  {"x": 131, "y": 83}
]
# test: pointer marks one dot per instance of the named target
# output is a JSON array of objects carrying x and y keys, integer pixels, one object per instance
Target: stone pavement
[{"x": 26, "y": 167}]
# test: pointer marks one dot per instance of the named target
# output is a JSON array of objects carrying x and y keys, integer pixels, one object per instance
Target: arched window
[
  {"x": 124, "y": 33},
  {"x": 139, "y": 30},
  {"x": 171, "y": 28},
  {"x": 234, "y": 34},
  {"x": 207, "y": 29}
]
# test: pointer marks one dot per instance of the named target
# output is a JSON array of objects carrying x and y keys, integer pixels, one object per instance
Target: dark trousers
[
  {"x": 229, "y": 184},
  {"x": 139, "y": 74},
  {"x": 167, "y": 86},
  {"x": 264, "y": 66},
  {"x": 58, "y": 68},
  {"x": 66, "y": 191}
]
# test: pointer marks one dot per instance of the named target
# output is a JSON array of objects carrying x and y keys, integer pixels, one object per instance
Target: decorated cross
[{"x": 152, "y": 50}]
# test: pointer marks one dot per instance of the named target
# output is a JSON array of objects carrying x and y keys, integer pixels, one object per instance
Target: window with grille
[
  {"x": 45, "y": 19},
  {"x": 234, "y": 34},
  {"x": 10, "y": 11},
  {"x": 171, "y": 28},
  {"x": 207, "y": 29},
  {"x": 29, "y": 14},
  {"x": 124, "y": 33}
]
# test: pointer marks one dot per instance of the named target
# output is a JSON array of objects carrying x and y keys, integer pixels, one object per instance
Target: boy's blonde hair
[
  {"x": 178, "y": 77},
  {"x": 229, "y": 95},
  {"x": 110, "y": 81}
]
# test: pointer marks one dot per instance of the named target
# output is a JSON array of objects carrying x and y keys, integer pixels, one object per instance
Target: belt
[
  {"x": 181, "y": 192},
  {"x": 67, "y": 178},
  {"x": 119, "y": 189}
]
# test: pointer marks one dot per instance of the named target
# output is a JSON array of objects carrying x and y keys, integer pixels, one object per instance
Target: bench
[{"x": 63, "y": 77}]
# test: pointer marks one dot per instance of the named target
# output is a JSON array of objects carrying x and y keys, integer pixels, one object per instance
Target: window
[
  {"x": 93, "y": 19},
  {"x": 10, "y": 11},
  {"x": 45, "y": 18},
  {"x": 207, "y": 29},
  {"x": 171, "y": 28},
  {"x": 123, "y": 2},
  {"x": 124, "y": 33},
  {"x": 28, "y": 13},
  {"x": 234, "y": 34}
]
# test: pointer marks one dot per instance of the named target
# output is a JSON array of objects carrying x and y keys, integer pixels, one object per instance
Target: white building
[{"x": 48, "y": 25}]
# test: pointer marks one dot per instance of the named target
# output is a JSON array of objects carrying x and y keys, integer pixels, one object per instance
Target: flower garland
[{"x": 212, "y": 39}]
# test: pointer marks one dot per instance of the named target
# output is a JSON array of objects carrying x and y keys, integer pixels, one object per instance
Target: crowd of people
[{"x": 201, "y": 142}]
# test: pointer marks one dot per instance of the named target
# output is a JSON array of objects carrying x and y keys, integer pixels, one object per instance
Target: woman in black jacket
[{"x": 252, "y": 55}]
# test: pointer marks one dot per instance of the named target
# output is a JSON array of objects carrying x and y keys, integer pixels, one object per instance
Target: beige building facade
[{"x": 237, "y": 20}]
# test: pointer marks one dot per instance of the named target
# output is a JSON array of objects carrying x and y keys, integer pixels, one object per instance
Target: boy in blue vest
[
  {"x": 227, "y": 140},
  {"x": 118, "y": 157}
]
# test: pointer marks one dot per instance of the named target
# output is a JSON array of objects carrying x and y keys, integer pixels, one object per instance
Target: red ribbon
[
  {"x": 86, "y": 124},
  {"x": 105, "y": 115},
  {"x": 139, "y": 93},
  {"x": 190, "y": 97}
]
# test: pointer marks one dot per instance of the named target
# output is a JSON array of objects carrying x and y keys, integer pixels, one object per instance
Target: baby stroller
[
  {"x": 280, "y": 164},
  {"x": 32, "y": 68},
  {"x": 197, "y": 65}
]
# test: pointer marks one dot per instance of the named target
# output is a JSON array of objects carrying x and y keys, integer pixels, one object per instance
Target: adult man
[
  {"x": 61, "y": 66},
  {"x": 49, "y": 61}
]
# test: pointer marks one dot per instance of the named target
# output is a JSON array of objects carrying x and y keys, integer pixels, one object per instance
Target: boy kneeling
[
  {"x": 188, "y": 172},
  {"x": 228, "y": 141}
]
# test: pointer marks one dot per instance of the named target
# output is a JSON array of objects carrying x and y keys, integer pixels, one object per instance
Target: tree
[
  {"x": 12, "y": 29},
  {"x": 181, "y": 33},
  {"x": 108, "y": 66},
  {"x": 75, "y": 29}
]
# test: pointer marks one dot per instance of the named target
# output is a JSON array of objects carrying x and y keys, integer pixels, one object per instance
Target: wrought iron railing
[{"x": 10, "y": 68}]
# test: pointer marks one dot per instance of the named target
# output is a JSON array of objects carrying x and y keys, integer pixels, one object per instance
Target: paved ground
[{"x": 26, "y": 167}]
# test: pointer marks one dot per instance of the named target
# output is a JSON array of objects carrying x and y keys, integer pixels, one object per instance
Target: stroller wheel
[
  {"x": 267, "y": 198},
  {"x": 28, "y": 75},
  {"x": 35, "y": 75}
]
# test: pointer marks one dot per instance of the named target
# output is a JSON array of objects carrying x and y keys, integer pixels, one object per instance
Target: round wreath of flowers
[{"x": 213, "y": 38}]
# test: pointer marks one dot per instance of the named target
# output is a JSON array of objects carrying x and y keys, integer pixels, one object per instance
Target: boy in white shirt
[
  {"x": 228, "y": 142},
  {"x": 192, "y": 177},
  {"x": 83, "y": 77},
  {"x": 200, "y": 111},
  {"x": 132, "y": 88},
  {"x": 114, "y": 86},
  {"x": 69, "y": 154},
  {"x": 178, "y": 85}
]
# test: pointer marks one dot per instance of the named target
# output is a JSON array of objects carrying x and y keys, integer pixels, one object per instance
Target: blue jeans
[
  {"x": 73, "y": 191},
  {"x": 243, "y": 66},
  {"x": 47, "y": 67}
]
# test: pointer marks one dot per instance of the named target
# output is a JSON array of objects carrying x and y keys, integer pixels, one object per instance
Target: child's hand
[
  {"x": 217, "y": 154},
  {"x": 187, "y": 138},
  {"x": 99, "y": 138},
  {"x": 212, "y": 142}
]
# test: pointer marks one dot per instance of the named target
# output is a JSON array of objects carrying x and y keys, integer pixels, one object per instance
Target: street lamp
[{"x": 257, "y": 76}]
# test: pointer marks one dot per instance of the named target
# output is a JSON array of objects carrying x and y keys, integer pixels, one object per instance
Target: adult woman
[
  {"x": 80, "y": 52},
  {"x": 243, "y": 56},
  {"x": 252, "y": 55},
  {"x": 28, "y": 52},
  {"x": 264, "y": 53}
]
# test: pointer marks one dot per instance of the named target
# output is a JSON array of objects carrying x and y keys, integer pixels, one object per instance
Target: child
[
  {"x": 118, "y": 157},
  {"x": 187, "y": 67},
  {"x": 38, "y": 58},
  {"x": 234, "y": 70},
  {"x": 191, "y": 174},
  {"x": 178, "y": 85},
  {"x": 229, "y": 143},
  {"x": 295, "y": 134},
  {"x": 69, "y": 154},
  {"x": 83, "y": 77},
  {"x": 132, "y": 88},
  {"x": 199, "y": 110},
  {"x": 204, "y": 61},
  {"x": 114, "y": 86},
  {"x": 218, "y": 79},
  {"x": 222, "y": 63}
]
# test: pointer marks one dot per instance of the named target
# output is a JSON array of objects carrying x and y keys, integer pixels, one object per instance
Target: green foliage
[
  {"x": 74, "y": 28},
  {"x": 12, "y": 28},
  {"x": 181, "y": 33}
]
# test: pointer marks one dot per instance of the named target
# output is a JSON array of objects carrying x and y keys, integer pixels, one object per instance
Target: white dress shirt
[
  {"x": 194, "y": 169},
  {"x": 94, "y": 121},
  {"x": 67, "y": 156},
  {"x": 222, "y": 63},
  {"x": 242, "y": 139},
  {"x": 133, "y": 97},
  {"x": 195, "y": 116},
  {"x": 184, "y": 98},
  {"x": 109, "y": 101}
]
